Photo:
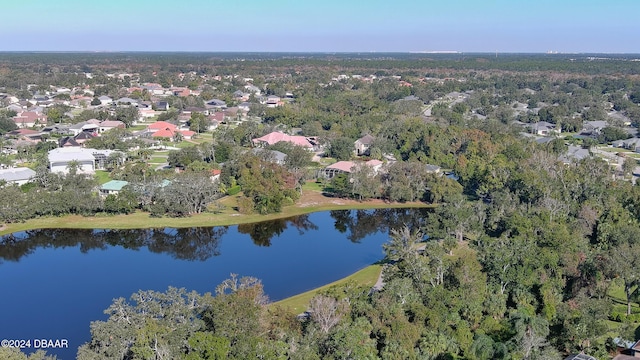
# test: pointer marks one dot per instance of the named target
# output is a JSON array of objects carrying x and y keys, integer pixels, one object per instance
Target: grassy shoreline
[
  {"x": 310, "y": 202},
  {"x": 298, "y": 303}
]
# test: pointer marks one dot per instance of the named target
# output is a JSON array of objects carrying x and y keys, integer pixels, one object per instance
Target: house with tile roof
[
  {"x": 276, "y": 137},
  {"x": 27, "y": 119},
  {"x": 347, "y": 167}
]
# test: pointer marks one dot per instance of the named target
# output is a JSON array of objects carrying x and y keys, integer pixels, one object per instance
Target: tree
[
  {"x": 623, "y": 261},
  {"x": 188, "y": 193},
  {"x": 326, "y": 311},
  {"x": 128, "y": 115},
  {"x": 365, "y": 184},
  {"x": 266, "y": 184},
  {"x": 628, "y": 166},
  {"x": 341, "y": 148},
  {"x": 95, "y": 102},
  {"x": 199, "y": 122},
  {"x": 8, "y": 353},
  {"x": 151, "y": 325},
  {"x": 7, "y": 125},
  {"x": 402, "y": 244}
]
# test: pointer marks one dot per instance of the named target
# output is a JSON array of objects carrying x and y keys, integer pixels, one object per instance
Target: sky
[{"x": 601, "y": 26}]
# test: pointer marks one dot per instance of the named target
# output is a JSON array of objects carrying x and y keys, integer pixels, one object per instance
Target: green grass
[
  {"x": 157, "y": 160},
  {"x": 313, "y": 186},
  {"x": 614, "y": 150},
  {"x": 102, "y": 176},
  {"x": 297, "y": 304}
]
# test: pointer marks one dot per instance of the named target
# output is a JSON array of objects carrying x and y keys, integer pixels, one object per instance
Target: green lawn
[
  {"x": 298, "y": 303},
  {"x": 157, "y": 160},
  {"x": 313, "y": 186},
  {"x": 614, "y": 150},
  {"x": 102, "y": 176}
]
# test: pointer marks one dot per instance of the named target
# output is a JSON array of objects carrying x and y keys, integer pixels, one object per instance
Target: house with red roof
[
  {"x": 187, "y": 134},
  {"x": 27, "y": 119},
  {"x": 276, "y": 137},
  {"x": 161, "y": 125}
]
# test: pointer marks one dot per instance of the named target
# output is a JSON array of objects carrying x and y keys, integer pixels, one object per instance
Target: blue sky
[{"x": 331, "y": 25}]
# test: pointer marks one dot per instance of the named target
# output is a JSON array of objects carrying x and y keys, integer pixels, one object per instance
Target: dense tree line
[{"x": 523, "y": 274}]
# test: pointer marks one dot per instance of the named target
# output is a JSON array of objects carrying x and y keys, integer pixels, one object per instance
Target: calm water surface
[{"x": 55, "y": 282}]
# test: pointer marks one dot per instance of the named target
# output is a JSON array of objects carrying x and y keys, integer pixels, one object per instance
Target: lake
[{"x": 56, "y": 281}]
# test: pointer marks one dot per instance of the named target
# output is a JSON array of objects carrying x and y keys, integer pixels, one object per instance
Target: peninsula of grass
[
  {"x": 297, "y": 304},
  {"x": 226, "y": 214}
]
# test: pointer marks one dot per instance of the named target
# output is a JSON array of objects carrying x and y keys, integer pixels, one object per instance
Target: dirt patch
[{"x": 315, "y": 198}]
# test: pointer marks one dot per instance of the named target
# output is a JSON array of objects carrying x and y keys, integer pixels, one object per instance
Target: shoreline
[{"x": 310, "y": 202}]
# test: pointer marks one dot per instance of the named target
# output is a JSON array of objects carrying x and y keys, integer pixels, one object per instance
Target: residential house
[
  {"x": 60, "y": 158},
  {"x": 110, "y": 124},
  {"x": 216, "y": 119},
  {"x": 544, "y": 128},
  {"x": 105, "y": 100},
  {"x": 84, "y": 137},
  {"x": 579, "y": 357},
  {"x": 215, "y": 174},
  {"x": 181, "y": 91},
  {"x": 127, "y": 101},
  {"x": 253, "y": 89},
  {"x": 276, "y": 137},
  {"x": 26, "y": 134},
  {"x": 27, "y": 119},
  {"x": 593, "y": 127},
  {"x": 574, "y": 154},
  {"x": 15, "y": 107},
  {"x": 433, "y": 169},
  {"x": 347, "y": 167},
  {"x": 162, "y": 106},
  {"x": 68, "y": 141},
  {"x": 631, "y": 144},
  {"x": 271, "y": 155},
  {"x": 161, "y": 125},
  {"x": 216, "y": 104},
  {"x": 363, "y": 144},
  {"x": 18, "y": 176},
  {"x": 273, "y": 101},
  {"x": 187, "y": 134},
  {"x": 153, "y": 88},
  {"x": 89, "y": 126},
  {"x": 245, "y": 106},
  {"x": 112, "y": 187},
  {"x": 241, "y": 96},
  {"x": 164, "y": 134}
]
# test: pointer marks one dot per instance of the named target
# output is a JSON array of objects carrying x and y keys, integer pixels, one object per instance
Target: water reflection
[
  {"x": 262, "y": 232},
  {"x": 202, "y": 243},
  {"x": 361, "y": 223},
  {"x": 198, "y": 243}
]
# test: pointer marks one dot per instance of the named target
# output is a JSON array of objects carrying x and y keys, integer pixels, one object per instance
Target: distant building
[
  {"x": 276, "y": 137},
  {"x": 60, "y": 158},
  {"x": 17, "y": 176},
  {"x": 112, "y": 187},
  {"x": 363, "y": 145},
  {"x": 347, "y": 167}
]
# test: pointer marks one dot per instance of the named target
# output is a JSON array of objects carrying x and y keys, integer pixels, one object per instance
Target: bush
[{"x": 234, "y": 190}]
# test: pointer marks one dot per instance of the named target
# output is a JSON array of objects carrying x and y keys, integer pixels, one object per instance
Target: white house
[
  {"x": 18, "y": 176},
  {"x": 60, "y": 158}
]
